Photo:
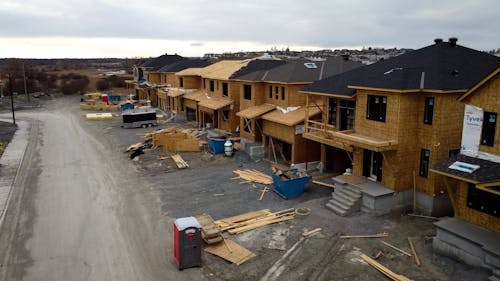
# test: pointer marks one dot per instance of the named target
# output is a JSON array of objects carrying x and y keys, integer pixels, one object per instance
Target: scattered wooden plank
[
  {"x": 311, "y": 232},
  {"x": 378, "y": 235},
  {"x": 260, "y": 224},
  {"x": 384, "y": 270},
  {"x": 254, "y": 176},
  {"x": 134, "y": 147},
  {"x": 422, "y": 216},
  {"x": 323, "y": 184},
  {"x": 254, "y": 220},
  {"x": 396, "y": 248},
  {"x": 264, "y": 190},
  {"x": 236, "y": 255},
  {"x": 181, "y": 164},
  {"x": 227, "y": 222},
  {"x": 417, "y": 260}
]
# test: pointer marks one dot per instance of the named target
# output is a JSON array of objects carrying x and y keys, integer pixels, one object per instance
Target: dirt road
[{"x": 77, "y": 214}]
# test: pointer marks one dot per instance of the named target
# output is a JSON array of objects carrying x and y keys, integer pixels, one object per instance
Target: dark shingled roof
[
  {"x": 441, "y": 66},
  {"x": 255, "y": 69},
  {"x": 183, "y": 64},
  {"x": 489, "y": 171},
  {"x": 297, "y": 71},
  {"x": 159, "y": 62}
]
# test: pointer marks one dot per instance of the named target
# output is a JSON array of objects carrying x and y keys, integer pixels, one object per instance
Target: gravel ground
[{"x": 207, "y": 187}]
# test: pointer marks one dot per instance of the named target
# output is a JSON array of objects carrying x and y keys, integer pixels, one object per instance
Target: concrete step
[
  {"x": 336, "y": 210},
  {"x": 340, "y": 204},
  {"x": 346, "y": 196},
  {"x": 493, "y": 278},
  {"x": 352, "y": 191}
]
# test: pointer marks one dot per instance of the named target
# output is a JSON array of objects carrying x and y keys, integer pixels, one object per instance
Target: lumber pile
[
  {"x": 98, "y": 116},
  {"x": 210, "y": 232},
  {"x": 253, "y": 220},
  {"x": 387, "y": 272},
  {"x": 181, "y": 164},
  {"x": 378, "y": 235},
  {"x": 254, "y": 176},
  {"x": 175, "y": 139}
]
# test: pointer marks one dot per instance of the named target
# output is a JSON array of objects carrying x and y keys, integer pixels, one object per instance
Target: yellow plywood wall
[
  {"x": 172, "y": 79},
  {"x": 471, "y": 215},
  {"x": 154, "y": 78},
  {"x": 191, "y": 82},
  {"x": 279, "y": 131},
  {"x": 404, "y": 123},
  {"x": 257, "y": 95},
  {"x": 487, "y": 97},
  {"x": 292, "y": 95}
]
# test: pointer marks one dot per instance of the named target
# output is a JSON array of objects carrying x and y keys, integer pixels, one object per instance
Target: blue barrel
[{"x": 216, "y": 146}]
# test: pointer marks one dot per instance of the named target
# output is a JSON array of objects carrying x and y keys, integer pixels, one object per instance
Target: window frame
[
  {"x": 225, "y": 89},
  {"x": 181, "y": 82},
  {"x": 247, "y": 91},
  {"x": 282, "y": 93},
  {"x": 429, "y": 110},
  {"x": 425, "y": 160},
  {"x": 212, "y": 86},
  {"x": 488, "y": 130},
  {"x": 270, "y": 92},
  {"x": 376, "y": 111}
]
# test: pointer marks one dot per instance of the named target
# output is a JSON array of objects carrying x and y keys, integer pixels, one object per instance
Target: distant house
[
  {"x": 391, "y": 121},
  {"x": 273, "y": 112},
  {"x": 472, "y": 179}
]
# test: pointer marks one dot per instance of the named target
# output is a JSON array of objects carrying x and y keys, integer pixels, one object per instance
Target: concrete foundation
[
  {"x": 254, "y": 149},
  {"x": 468, "y": 243}
]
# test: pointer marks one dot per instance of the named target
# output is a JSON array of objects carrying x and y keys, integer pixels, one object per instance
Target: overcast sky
[{"x": 125, "y": 28}]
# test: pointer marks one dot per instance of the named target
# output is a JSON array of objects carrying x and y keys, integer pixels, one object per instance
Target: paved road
[{"x": 78, "y": 214}]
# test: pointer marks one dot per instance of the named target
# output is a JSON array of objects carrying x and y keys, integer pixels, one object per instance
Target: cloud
[{"x": 322, "y": 23}]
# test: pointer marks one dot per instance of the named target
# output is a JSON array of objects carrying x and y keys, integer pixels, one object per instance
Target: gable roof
[
  {"x": 444, "y": 66},
  {"x": 255, "y": 68},
  {"x": 307, "y": 71},
  {"x": 183, "y": 64},
  {"x": 154, "y": 64},
  {"x": 480, "y": 83}
]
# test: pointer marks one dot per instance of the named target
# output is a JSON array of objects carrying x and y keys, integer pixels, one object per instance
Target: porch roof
[
  {"x": 368, "y": 142},
  {"x": 175, "y": 93},
  {"x": 196, "y": 96},
  {"x": 256, "y": 111},
  {"x": 488, "y": 172},
  {"x": 291, "y": 118},
  {"x": 214, "y": 103}
]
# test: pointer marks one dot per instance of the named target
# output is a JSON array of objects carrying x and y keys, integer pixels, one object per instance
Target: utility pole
[
  {"x": 11, "y": 99},
  {"x": 25, "y": 87}
]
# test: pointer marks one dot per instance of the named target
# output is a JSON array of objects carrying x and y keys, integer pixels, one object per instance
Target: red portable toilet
[
  {"x": 104, "y": 98},
  {"x": 187, "y": 243}
]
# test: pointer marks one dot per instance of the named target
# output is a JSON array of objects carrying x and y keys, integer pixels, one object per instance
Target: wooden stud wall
[
  {"x": 154, "y": 78},
  {"x": 191, "y": 82}
]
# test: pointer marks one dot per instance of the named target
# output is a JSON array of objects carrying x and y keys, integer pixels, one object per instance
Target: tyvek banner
[{"x": 471, "y": 133}]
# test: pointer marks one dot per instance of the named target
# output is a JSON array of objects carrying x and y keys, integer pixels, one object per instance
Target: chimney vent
[
  {"x": 453, "y": 41},
  {"x": 438, "y": 40}
]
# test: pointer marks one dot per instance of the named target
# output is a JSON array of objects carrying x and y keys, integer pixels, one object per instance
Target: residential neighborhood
[{"x": 245, "y": 140}]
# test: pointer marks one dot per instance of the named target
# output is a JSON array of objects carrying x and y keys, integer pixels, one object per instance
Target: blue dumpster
[
  {"x": 216, "y": 145},
  {"x": 289, "y": 188}
]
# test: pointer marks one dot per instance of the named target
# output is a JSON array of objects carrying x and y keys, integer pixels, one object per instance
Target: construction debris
[
  {"x": 396, "y": 248},
  {"x": 253, "y": 220},
  {"x": 387, "y": 272},
  {"x": 311, "y": 232},
  {"x": 422, "y": 216},
  {"x": 134, "y": 146},
  {"x": 210, "y": 232},
  {"x": 254, "y": 176},
  {"x": 230, "y": 251},
  {"x": 417, "y": 260},
  {"x": 175, "y": 139},
  {"x": 378, "y": 235},
  {"x": 181, "y": 164},
  {"x": 264, "y": 190}
]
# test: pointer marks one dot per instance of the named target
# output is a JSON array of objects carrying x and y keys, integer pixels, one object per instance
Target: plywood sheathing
[
  {"x": 256, "y": 111},
  {"x": 291, "y": 118}
]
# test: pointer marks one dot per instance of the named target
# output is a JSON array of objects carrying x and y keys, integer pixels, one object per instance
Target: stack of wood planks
[
  {"x": 253, "y": 220},
  {"x": 134, "y": 147},
  {"x": 175, "y": 139},
  {"x": 254, "y": 176},
  {"x": 181, "y": 164},
  {"x": 210, "y": 232},
  {"x": 384, "y": 270}
]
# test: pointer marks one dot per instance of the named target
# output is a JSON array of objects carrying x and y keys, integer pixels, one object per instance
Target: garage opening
[
  {"x": 337, "y": 160},
  {"x": 190, "y": 114}
]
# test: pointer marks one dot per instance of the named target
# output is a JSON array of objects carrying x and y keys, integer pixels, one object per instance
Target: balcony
[{"x": 327, "y": 134}]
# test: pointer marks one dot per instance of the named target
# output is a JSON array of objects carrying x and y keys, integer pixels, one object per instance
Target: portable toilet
[
  {"x": 187, "y": 243},
  {"x": 104, "y": 98}
]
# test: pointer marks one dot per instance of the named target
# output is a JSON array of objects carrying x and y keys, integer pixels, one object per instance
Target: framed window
[
  {"x": 225, "y": 115},
  {"x": 489, "y": 127},
  {"x": 428, "y": 110},
  {"x": 484, "y": 201},
  {"x": 247, "y": 92},
  {"x": 276, "y": 92},
  {"x": 282, "y": 93},
  {"x": 332, "y": 111},
  {"x": 376, "y": 107},
  {"x": 425, "y": 155},
  {"x": 270, "y": 92},
  {"x": 225, "y": 90},
  {"x": 212, "y": 88},
  {"x": 181, "y": 82}
]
